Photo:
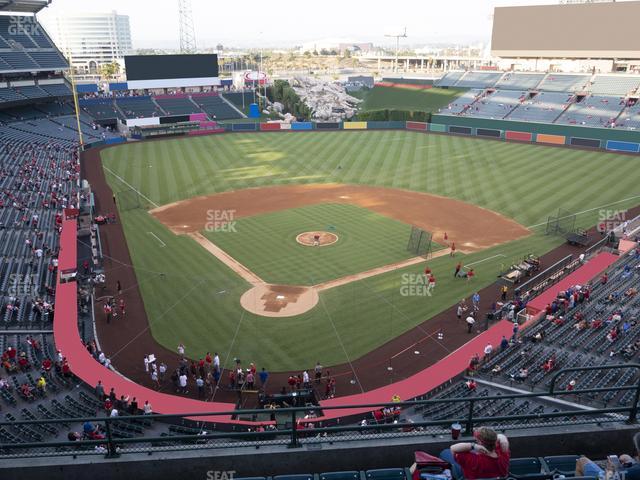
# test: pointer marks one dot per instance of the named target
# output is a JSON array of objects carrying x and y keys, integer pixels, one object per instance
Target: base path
[{"x": 464, "y": 223}]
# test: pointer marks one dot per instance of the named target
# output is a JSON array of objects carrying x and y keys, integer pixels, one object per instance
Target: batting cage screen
[
  {"x": 419, "y": 242},
  {"x": 128, "y": 200},
  {"x": 561, "y": 223}
]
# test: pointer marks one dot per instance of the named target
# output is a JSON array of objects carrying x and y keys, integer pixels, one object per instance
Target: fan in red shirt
[{"x": 488, "y": 458}]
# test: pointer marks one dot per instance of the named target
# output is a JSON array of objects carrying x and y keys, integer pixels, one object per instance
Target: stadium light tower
[
  {"x": 398, "y": 37},
  {"x": 187, "y": 32}
]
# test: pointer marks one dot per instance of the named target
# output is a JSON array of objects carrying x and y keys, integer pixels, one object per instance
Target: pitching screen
[
  {"x": 590, "y": 30},
  {"x": 154, "y": 67}
]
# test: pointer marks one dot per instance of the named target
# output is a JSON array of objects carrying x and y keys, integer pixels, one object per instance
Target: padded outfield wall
[{"x": 543, "y": 133}]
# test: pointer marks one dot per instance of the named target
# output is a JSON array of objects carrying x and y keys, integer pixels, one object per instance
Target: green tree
[{"x": 108, "y": 70}]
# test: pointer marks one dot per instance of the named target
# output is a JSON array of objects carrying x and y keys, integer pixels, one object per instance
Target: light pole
[{"x": 398, "y": 37}]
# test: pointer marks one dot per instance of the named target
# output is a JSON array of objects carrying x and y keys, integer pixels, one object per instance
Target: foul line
[
  {"x": 156, "y": 237},
  {"x": 131, "y": 187},
  {"x": 485, "y": 259},
  {"x": 589, "y": 210}
]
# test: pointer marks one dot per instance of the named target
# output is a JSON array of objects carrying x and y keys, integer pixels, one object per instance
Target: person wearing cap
[{"x": 487, "y": 457}]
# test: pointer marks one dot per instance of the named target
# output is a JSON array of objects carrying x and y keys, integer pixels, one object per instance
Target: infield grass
[{"x": 366, "y": 240}]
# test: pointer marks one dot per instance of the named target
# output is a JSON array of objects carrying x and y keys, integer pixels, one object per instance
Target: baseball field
[{"x": 261, "y": 191}]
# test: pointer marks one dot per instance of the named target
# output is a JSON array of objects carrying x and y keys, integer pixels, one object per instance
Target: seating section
[
  {"x": 25, "y": 46},
  {"x": 541, "y": 107},
  {"x": 237, "y": 98},
  {"x": 177, "y": 105},
  {"x": 103, "y": 109},
  {"x": 463, "y": 102},
  {"x": 216, "y": 107},
  {"x": 630, "y": 117},
  {"x": 26, "y": 92},
  {"x": 479, "y": 79},
  {"x": 520, "y": 81},
  {"x": 556, "y": 82},
  {"x": 449, "y": 79},
  {"x": 593, "y": 111},
  {"x": 138, "y": 107},
  {"x": 496, "y": 104},
  {"x": 615, "y": 84}
]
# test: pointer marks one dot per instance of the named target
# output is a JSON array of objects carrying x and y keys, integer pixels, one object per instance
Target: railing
[{"x": 206, "y": 436}]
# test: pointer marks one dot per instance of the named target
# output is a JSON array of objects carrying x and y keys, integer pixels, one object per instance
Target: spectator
[
  {"x": 488, "y": 457},
  {"x": 624, "y": 465}
]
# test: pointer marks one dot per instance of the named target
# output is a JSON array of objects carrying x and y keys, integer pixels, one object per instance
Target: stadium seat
[
  {"x": 386, "y": 474},
  {"x": 525, "y": 466},
  {"x": 349, "y": 475},
  {"x": 299, "y": 476},
  {"x": 563, "y": 464}
]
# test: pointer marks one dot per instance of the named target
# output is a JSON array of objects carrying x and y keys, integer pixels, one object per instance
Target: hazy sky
[{"x": 154, "y": 23}]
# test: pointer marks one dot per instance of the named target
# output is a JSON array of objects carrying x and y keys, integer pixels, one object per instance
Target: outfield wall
[
  {"x": 626, "y": 141},
  {"x": 544, "y": 133}
]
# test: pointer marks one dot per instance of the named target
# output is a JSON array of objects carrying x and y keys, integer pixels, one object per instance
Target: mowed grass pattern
[
  {"x": 394, "y": 98},
  {"x": 197, "y": 300},
  {"x": 365, "y": 240}
]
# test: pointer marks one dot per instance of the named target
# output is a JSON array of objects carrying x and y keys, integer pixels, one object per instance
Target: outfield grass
[
  {"x": 197, "y": 300},
  {"x": 413, "y": 100},
  {"x": 366, "y": 240}
]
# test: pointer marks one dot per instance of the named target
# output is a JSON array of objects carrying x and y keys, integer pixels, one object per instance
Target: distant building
[
  {"x": 90, "y": 40},
  {"x": 339, "y": 46}
]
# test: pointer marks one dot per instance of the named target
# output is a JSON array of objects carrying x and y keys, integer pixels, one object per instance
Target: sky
[{"x": 288, "y": 23}]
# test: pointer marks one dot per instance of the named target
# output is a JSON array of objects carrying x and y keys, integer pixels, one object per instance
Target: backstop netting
[{"x": 419, "y": 242}]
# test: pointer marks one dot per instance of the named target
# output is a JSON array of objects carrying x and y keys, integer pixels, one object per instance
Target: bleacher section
[
  {"x": 138, "y": 107},
  {"x": 593, "y": 111},
  {"x": 463, "y": 102},
  {"x": 215, "y": 107},
  {"x": 177, "y": 105},
  {"x": 520, "y": 81},
  {"x": 542, "y": 107},
  {"x": 630, "y": 117},
  {"x": 478, "y": 80},
  {"x": 449, "y": 79},
  {"x": 555, "y": 82},
  {"x": 614, "y": 85},
  {"x": 497, "y": 104},
  {"x": 101, "y": 109},
  {"x": 237, "y": 98}
]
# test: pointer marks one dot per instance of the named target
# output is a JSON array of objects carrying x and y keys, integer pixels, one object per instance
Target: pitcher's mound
[
  {"x": 279, "y": 300},
  {"x": 316, "y": 239}
]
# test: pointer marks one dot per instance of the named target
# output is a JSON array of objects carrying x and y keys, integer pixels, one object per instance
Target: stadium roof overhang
[{"x": 23, "y": 6}]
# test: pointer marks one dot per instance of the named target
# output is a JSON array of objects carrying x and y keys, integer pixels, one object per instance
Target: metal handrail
[{"x": 112, "y": 445}]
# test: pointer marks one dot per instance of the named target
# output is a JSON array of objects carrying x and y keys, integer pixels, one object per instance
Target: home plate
[{"x": 280, "y": 297}]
